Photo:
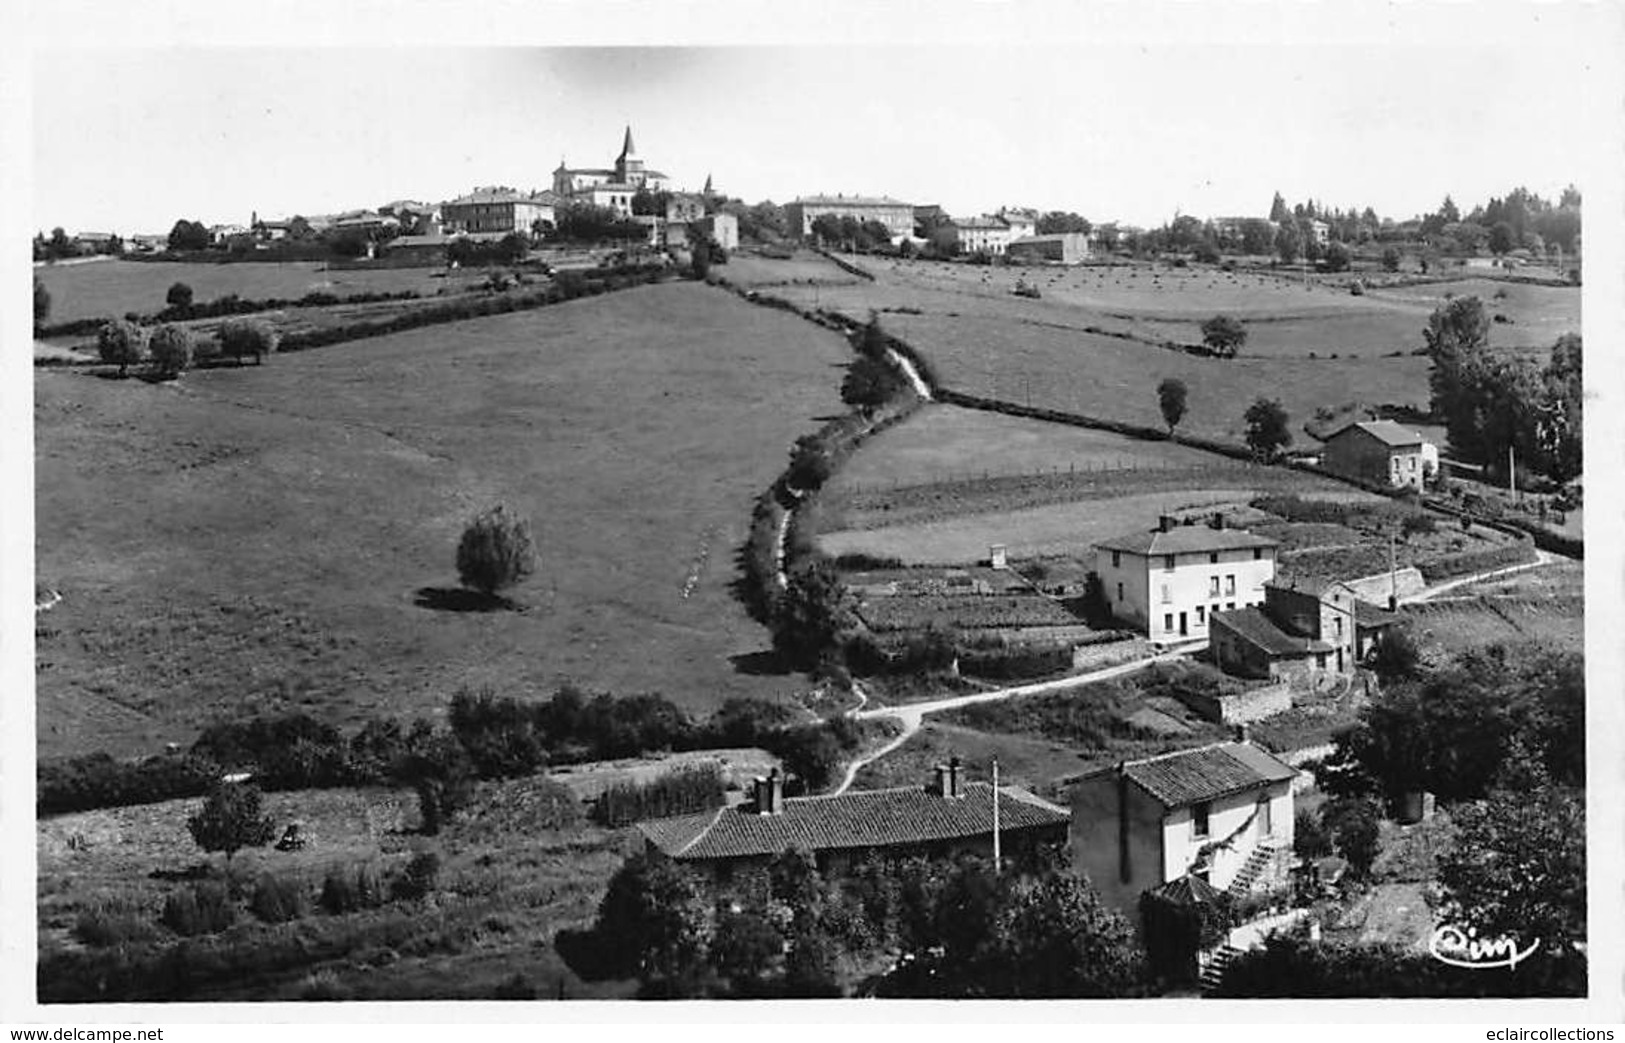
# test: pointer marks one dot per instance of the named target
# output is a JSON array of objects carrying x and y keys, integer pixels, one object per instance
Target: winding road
[
  {"x": 1541, "y": 558},
  {"x": 912, "y": 715}
]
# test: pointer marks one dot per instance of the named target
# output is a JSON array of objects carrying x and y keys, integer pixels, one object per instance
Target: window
[
  {"x": 1258, "y": 553},
  {"x": 1213, "y": 586},
  {"x": 1320, "y": 660},
  {"x": 1168, "y": 621},
  {"x": 1168, "y": 562},
  {"x": 1230, "y": 585},
  {"x": 1266, "y": 819},
  {"x": 1167, "y": 594},
  {"x": 1201, "y": 615},
  {"x": 1120, "y": 592},
  {"x": 1117, "y": 559},
  {"x": 1199, "y": 817},
  {"x": 1230, "y": 606},
  {"x": 1213, "y": 558},
  {"x": 1338, "y": 623}
]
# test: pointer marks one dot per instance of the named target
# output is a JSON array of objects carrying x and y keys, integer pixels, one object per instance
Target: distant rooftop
[
  {"x": 1185, "y": 539},
  {"x": 905, "y": 815},
  {"x": 839, "y": 200},
  {"x": 1387, "y": 432}
]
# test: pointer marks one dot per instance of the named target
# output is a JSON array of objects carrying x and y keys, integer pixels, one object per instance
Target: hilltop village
[{"x": 615, "y": 589}]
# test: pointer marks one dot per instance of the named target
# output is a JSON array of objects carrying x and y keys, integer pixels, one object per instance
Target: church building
[{"x": 611, "y": 188}]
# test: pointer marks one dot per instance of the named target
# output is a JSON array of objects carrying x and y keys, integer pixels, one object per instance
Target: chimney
[
  {"x": 1244, "y": 734},
  {"x": 775, "y": 792},
  {"x": 1165, "y": 523},
  {"x": 941, "y": 786},
  {"x": 1218, "y": 520},
  {"x": 953, "y": 778},
  {"x": 996, "y": 556}
]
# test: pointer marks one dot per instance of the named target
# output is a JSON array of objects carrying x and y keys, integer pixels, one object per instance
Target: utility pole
[
  {"x": 1393, "y": 575},
  {"x": 995, "y": 816},
  {"x": 1512, "y": 471}
]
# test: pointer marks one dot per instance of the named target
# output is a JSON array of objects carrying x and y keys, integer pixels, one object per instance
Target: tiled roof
[
  {"x": 1185, "y": 539},
  {"x": 990, "y": 223},
  {"x": 1367, "y": 614},
  {"x": 500, "y": 195},
  {"x": 1206, "y": 773},
  {"x": 1188, "y": 890},
  {"x": 870, "y": 818},
  {"x": 849, "y": 201},
  {"x": 1254, "y": 627},
  {"x": 1386, "y": 432}
]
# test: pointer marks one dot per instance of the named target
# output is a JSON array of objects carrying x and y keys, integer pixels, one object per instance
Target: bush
[
  {"x": 113, "y": 922},
  {"x": 278, "y": 900},
  {"x": 122, "y": 343},
  {"x": 348, "y": 890},
  {"x": 179, "y": 296},
  {"x": 204, "y": 908},
  {"x": 99, "y": 781},
  {"x": 496, "y": 551},
  {"x": 171, "y": 349},
  {"x": 499, "y": 735},
  {"x": 418, "y": 879},
  {"x": 240, "y": 337}
]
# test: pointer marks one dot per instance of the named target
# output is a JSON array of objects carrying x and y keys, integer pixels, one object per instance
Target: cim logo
[{"x": 1460, "y": 948}]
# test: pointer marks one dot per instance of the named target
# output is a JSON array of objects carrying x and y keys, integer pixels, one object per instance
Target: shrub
[
  {"x": 230, "y": 820},
  {"x": 418, "y": 879},
  {"x": 278, "y": 899},
  {"x": 348, "y": 890},
  {"x": 179, "y": 296},
  {"x": 1418, "y": 524},
  {"x": 499, "y": 735},
  {"x": 99, "y": 781},
  {"x": 239, "y": 337},
  {"x": 495, "y": 551},
  {"x": 204, "y": 908},
  {"x": 171, "y": 349},
  {"x": 113, "y": 922}
]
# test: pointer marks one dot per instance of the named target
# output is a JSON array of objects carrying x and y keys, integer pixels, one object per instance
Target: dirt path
[
  {"x": 913, "y": 715},
  {"x": 1541, "y": 558}
]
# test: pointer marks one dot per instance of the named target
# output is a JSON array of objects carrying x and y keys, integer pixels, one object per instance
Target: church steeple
[
  {"x": 627, "y": 151},
  {"x": 707, "y": 190}
]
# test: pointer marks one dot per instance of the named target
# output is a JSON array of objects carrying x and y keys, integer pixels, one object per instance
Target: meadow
[
  {"x": 112, "y": 288},
  {"x": 277, "y": 538}
]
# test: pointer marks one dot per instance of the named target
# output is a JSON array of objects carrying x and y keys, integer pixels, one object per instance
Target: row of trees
[
  {"x": 1491, "y": 402},
  {"x": 171, "y": 348},
  {"x": 933, "y": 928}
]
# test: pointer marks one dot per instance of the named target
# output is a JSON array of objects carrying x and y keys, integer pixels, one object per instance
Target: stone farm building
[
  {"x": 1300, "y": 633},
  {"x": 1222, "y": 814},
  {"x": 497, "y": 209},
  {"x": 1169, "y": 582},
  {"x": 1382, "y": 452},
  {"x": 1060, "y": 248},
  {"x": 898, "y": 217},
  {"x": 944, "y": 818},
  {"x": 610, "y": 187}
]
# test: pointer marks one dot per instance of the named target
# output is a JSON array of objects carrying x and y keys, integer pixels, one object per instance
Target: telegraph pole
[{"x": 995, "y": 816}]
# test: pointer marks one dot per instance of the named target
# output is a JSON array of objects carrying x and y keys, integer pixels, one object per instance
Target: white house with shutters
[{"x": 1168, "y": 582}]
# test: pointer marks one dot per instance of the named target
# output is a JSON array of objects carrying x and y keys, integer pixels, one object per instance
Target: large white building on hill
[
  {"x": 611, "y": 187},
  {"x": 1170, "y": 581}
]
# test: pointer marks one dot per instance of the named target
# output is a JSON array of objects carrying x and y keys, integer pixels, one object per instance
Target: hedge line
[
  {"x": 845, "y": 266},
  {"x": 1477, "y": 561}
]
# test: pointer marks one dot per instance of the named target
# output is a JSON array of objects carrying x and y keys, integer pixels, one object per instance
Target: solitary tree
[
  {"x": 231, "y": 820},
  {"x": 1502, "y": 239},
  {"x": 1267, "y": 431},
  {"x": 179, "y": 296},
  {"x": 1337, "y": 257},
  {"x": 1288, "y": 243},
  {"x": 1224, "y": 334},
  {"x": 496, "y": 551},
  {"x": 870, "y": 383},
  {"x": 1354, "y": 823},
  {"x": 122, "y": 342},
  {"x": 42, "y": 302},
  {"x": 1390, "y": 259},
  {"x": 1171, "y": 396},
  {"x": 171, "y": 349}
]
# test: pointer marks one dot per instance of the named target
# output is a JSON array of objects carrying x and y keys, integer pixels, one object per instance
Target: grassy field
[
  {"x": 753, "y": 270},
  {"x": 256, "y": 539},
  {"x": 111, "y": 288},
  {"x": 507, "y": 882},
  {"x": 1452, "y": 625}
]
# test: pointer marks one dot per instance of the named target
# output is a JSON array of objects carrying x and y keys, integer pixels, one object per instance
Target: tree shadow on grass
[
  {"x": 766, "y": 663},
  {"x": 461, "y": 599}
]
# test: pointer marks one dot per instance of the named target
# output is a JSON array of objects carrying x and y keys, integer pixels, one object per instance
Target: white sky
[{"x": 1120, "y": 124}]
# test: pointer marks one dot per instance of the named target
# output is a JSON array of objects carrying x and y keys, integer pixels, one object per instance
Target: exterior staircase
[
  {"x": 1217, "y": 964},
  {"x": 1249, "y": 872}
]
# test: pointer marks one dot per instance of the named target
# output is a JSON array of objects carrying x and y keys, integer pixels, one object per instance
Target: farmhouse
[
  {"x": 1301, "y": 633},
  {"x": 980, "y": 235},
  {"x": 613, "y": 187},
  {"x": 1169, "y": 582},
  {"x": 1022, "y": 223},
  {"x": 1221, "y": 814},
  {"x": 497, "y": 209},
  {"x": 723, "y": 228},
  {"x": 1381, "y": 451},
  {"x": 943, "y": 818},
  {"x": 1061, "y": 248},
  {"x": 898, "y": 217}
]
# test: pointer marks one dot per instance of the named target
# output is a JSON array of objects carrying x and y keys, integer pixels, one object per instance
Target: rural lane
[
  {"x": 1541, "y": 558},
  {"x": 912, "y": 715}
]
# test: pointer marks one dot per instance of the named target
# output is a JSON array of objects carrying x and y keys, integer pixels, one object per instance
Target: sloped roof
[
  {"x": 501, "y": 195},
  {"x": 848, "y": 201},
  {"x": 1188, "y": 890},
  {"x": 1367, "y": 614},
  {"x": 1049, "y": 237},
  {"x": 1206, "y": 773},
  {"x": 869, "y": 818},
  {"x": 1257, "y": 629},
  {"x": 1185, "y": 539},
  {"x": 989, "y": 223},
  {"x": 1384, "y": 431}
]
